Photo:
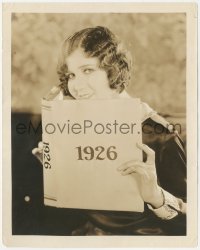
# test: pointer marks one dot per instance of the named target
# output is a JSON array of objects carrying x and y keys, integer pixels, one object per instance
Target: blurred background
[{"x": 157, "y": 43}]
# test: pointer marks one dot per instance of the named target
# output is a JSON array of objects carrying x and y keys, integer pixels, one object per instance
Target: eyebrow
[
  {"x": 82, "y": 66},
  {"x": 86, "y": 65}
]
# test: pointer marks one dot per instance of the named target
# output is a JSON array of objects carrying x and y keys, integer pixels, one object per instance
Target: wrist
[
  {"x": 169, "y": 209},
  {"x": 157, "y": 199}
]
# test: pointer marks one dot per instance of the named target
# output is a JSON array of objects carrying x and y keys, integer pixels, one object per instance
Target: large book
[{"x": 85, "y": 141}]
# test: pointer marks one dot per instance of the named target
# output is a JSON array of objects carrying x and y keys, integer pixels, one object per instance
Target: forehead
[{"x": 79, "y": 59}]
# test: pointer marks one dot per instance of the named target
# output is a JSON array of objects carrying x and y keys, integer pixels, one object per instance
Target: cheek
[
  {"x": 99, "y": 81},
  {"x": 71, "y": 88}
]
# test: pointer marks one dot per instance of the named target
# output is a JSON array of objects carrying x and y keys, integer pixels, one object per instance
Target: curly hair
[{"x": 98, "y": 42}]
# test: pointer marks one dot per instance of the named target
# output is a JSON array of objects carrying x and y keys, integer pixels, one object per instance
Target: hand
[
  {"x": 146, "y": 177},
  {"x": 38, "y": 152}
]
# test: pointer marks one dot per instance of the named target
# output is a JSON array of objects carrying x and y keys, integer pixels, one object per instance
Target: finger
[
  {"x": 38, "y": 155},
  {"x": 40, "y": 145},
  {"x": 129, "y": 164},
  {"x": 35, "y": 151},
  {"x": 137, "y": 170},
  {"x": 150, "y": 153}
]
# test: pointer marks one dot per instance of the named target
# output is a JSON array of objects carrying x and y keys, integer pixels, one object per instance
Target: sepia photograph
[{"x": 99, "y": 114}]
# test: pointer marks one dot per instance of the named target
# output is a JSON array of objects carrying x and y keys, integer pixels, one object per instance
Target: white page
[{"x": 94, "y": 184}]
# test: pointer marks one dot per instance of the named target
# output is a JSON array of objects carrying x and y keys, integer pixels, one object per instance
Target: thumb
[{"x": 38, "y": 154}]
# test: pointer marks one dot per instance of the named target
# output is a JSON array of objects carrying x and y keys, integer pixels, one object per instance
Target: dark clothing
[{"x": 171, "y": 172}]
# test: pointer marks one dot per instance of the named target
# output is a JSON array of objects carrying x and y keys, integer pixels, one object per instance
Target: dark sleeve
[
  {"x": 172, "y": 178},
  {"x": 170, "y": 157},
  {"x": 172, "y": 167}
]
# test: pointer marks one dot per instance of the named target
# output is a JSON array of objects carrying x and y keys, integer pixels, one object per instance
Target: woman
[{"x": 94, "y": 65}]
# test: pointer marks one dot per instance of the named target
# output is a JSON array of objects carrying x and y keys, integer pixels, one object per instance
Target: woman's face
[{"x": 86, "y": 79}]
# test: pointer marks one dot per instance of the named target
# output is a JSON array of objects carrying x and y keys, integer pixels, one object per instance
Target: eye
[
  {"x": 88, "y": 71},
  {"x": 71, "y": 76}
]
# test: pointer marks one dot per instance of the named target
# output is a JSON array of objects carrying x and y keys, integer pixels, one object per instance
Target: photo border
[{"x": 190, "y": 240}]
